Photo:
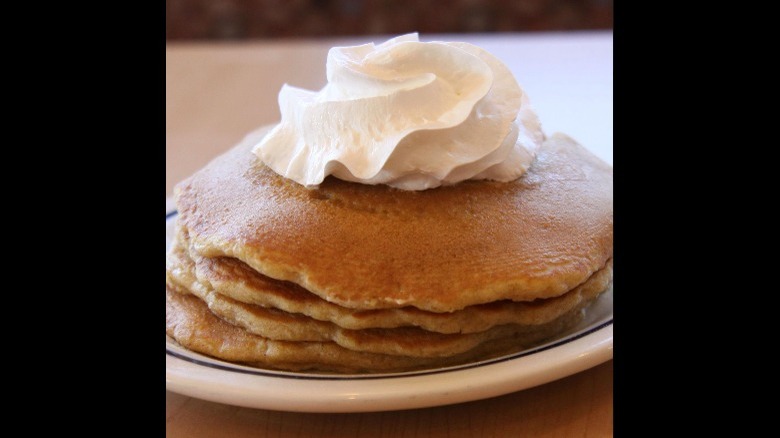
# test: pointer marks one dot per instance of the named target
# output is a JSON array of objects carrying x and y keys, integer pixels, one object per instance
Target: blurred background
[{"x": 242, "y": 19}]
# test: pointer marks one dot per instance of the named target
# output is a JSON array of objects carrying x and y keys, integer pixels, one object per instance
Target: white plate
[{"x": 586, "y": 345}]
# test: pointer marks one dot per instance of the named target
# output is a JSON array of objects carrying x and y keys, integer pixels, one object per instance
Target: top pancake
[{"x": 370, "y": 247}]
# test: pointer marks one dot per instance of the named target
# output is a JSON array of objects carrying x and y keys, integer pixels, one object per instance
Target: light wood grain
[
  {"x": 216, "y": 93},
  {"x": 577, "y": 406}
]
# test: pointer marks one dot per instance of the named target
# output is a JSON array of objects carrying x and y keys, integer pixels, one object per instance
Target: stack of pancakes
[{"x": 356, "y": 278}]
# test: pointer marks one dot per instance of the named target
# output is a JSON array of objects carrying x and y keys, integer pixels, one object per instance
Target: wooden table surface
[{"x": 217, "y": 92}]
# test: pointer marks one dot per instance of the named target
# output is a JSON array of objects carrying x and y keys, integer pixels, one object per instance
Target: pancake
[
  {"x": 275, "y": 324},
  {"x": 357, "y": 278},
  {"x": 234, "y": 279},
  {"x": 374, "y": 247},
  {"x": 191, "y": 324}
]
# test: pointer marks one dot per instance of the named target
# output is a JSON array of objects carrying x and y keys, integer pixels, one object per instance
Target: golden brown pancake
[
  {"x": 191, "y": 324},
  {"x": 406, "y": 341},
  {"x": 356, "y": 278},
  {"x": 440, "y": 250},
  {"x": 233, "y": 279}
]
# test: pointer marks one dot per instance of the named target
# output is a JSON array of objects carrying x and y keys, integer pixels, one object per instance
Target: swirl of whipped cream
[{"x": 408, "y": 114}]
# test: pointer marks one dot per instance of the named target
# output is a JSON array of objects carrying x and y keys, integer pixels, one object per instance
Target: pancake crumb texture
[{"x": 354, "y": 278}]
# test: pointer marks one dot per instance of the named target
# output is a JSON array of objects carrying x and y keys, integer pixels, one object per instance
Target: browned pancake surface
[
  {"x": 372, "y": 247},
  {"x": 233, "y": 279},
  {"x": 191, "y": 324},
  {"x": 280, "y": 325}
]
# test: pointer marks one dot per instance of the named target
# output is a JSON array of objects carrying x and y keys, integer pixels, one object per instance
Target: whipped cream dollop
[{"x": 413, "y": 115}]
